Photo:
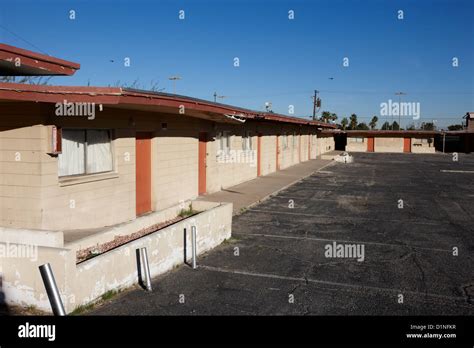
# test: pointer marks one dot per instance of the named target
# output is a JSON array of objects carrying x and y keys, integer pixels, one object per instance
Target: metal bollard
[
  {"x": 52, "y": 289},
  {"x": 194, "y": 248},
  {"x": 146, "y": 268}
]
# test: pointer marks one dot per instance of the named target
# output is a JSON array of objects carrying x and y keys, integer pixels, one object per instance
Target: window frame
[
  {"x": 247, "y": 144},
  {"x": 112, "y": 152},
  {"x": 223, "y": 136}
]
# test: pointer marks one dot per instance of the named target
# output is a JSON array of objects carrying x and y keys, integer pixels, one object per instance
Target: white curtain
[
  {"x": 71, "y": 160},
  {"x": 99, "y": 154}
]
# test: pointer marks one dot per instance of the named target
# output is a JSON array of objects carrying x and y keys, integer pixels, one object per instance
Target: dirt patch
[{"x": 88, "y": 253}]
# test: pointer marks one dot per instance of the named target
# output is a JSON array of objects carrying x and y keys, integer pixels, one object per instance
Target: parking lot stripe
[
  {"x": 325, "y": 282},
  {"x": 343, "y": 241},
  {"x": 352, "y": 217}
]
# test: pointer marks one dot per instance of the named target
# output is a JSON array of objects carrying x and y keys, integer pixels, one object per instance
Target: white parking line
[
  {"x": 457, "y": 171},
  {"x": 344, "y": 241},
  {"x": 352, "y": 217},
  {"x": 324, "y": 282}
]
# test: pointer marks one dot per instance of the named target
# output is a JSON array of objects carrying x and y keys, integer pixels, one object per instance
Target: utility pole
[
  {"x": 174, "y": 79},
  {"x": 316, "y": 103},
  {"x": 218, "y": 96},
  {"x": 399, "y": 108}
]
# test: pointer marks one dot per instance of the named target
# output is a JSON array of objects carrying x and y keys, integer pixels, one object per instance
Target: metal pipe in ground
[
  {"x": 52, "y": 289},
  {"x": 193, "y": 237},
  {"x": 146, "y": 268}
]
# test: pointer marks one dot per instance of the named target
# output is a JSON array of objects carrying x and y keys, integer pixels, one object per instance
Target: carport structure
[{"x": 405, "y": 209}]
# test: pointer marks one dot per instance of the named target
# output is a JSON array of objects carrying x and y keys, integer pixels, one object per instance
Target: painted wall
[
  {"x": 383, "y": 144},
  {"x": 353, "y": 146},
  {"x": 83, "y": 283},
  {"x": 325, "y": 144},
  {"x": 422, "y": 146},
  {"x": 34, "y": 197}
]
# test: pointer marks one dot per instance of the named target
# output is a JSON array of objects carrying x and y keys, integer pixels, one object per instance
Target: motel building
[
  {"x": 391, "y": 141},
  {"x": 84, "y": 167}
]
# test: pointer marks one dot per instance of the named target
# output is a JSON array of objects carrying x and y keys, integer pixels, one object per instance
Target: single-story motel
[{"x": 120, "y": 161}]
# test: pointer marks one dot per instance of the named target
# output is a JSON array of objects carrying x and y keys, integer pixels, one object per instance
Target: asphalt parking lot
[{"x": 407, "y": 213}]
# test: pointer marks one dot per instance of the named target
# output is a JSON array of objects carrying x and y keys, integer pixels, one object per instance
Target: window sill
[{"x": 86, "y": 178}]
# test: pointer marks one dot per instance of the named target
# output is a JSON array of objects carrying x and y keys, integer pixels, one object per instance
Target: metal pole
[
  {"x": 193, "y": 236},
  {"x": 52, "y": 289},
  {"x": 444, "y": 140},
  {"x": 146, "y": 268}
]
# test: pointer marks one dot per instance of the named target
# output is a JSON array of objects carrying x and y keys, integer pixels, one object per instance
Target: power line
[{"x": 19, "y": 37}]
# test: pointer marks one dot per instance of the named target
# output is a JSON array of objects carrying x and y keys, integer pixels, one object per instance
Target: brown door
[
  {"x": 143, "y": 173},
  {"x": 259, "y": 154},
  {"x": 277, "y": 152},
  {"x": 370, "y": 144},
  {"x": 406, "y": 144},
  {"x": 202, "y": 163}
]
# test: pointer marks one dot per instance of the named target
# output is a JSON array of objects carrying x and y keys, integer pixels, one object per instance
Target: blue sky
[{"x": 281, "y": 60}]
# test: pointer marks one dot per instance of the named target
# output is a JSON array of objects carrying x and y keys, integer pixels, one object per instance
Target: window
[
  {"x": 356, "y": 139},
  {"x": 85, "y": 152},
  {"x": 247, "y": 141},
  {"x": 223, "y": 139}
]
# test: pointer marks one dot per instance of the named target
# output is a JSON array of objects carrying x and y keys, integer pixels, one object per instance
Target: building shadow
[{"x": 3, "y": 305}]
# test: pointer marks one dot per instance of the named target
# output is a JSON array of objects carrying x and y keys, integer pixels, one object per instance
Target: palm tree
[
  {"x": 325, "y": 116},
  {"x": 344, "y": 123},
  {"x": 353, "y": 121},
  {"x": 373, "y": 122}
]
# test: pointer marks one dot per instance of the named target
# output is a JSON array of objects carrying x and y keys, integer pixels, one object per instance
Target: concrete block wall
[
  {"x": 353, "y": 146},
  {"x": 80, "y": 284},
  {"x": 175, "y": 161},
  {"x": 383, "y": 144},
  {"x": 21, "y": 144},
  {"x": 101, "y": 199},
  {"x": 224, "y": 171},
  {"x": 34, "y": 197},
  {"x": 325, "y": 144},
  {"x": 422, "y": 146}
]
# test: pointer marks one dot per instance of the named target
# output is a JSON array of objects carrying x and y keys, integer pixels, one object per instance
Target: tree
[
  {"x": 353, "y": 121},
  {"x": 395, "y": 126},
  {"x": 455, "y": 127},
  {"x": 31, "y": 80},
  {"x": 411, "y": 127},
  {"x": 344, "y": 123},
  {"x": 324, "y": 116},
  {"x": 362, "y": 126},
  {"x": 373, "y": 122},
  {"x": 386, "y": 126},
  {"x": 327, "y": 116},
  {"x": 428, "y": 126}
]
